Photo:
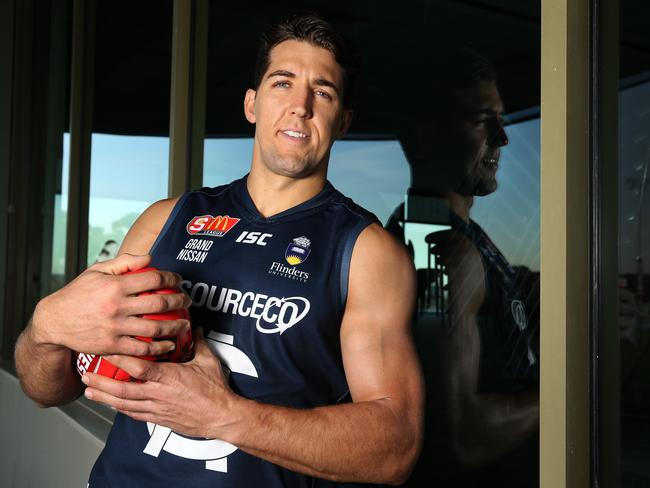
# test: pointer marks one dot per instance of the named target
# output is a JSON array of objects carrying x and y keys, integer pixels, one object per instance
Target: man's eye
[
  {"x": 323, "y": 94},
  {"x": 281, "y": 84}
]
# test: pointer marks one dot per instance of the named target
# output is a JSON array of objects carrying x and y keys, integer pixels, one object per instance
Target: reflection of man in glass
[{"x": 477, "y": 344}]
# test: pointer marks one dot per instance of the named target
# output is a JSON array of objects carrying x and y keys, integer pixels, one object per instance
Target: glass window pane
[
  {"x": 57, "y": 279},
  {"x": 58, "y": 154},
  {"x": 130, "y": 143},
  {"x": 510, "y": 216},
  {"x": 387, "y": 178},
  {"x": 225, "y": 160},
  {"x": 634, "y": 243},
  {"x": 444, "y": 148},
  {"x": 128, "y": 174}
]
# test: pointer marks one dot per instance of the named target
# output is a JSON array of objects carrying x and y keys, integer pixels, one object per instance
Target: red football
[{"x": 183, "y": 351}]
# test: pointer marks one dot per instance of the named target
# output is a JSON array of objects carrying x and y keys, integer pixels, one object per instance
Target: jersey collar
[{"x": 245, "y": 203}]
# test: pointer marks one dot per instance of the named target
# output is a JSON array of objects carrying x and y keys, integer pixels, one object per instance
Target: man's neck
[
  {"x": 273, "y": 194},
  {"x": 460, "y": 204}
]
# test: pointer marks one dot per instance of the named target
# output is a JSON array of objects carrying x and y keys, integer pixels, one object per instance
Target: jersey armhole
[
  {"x": 346, "y": 259},
  {"x": 168, "y": 222}
]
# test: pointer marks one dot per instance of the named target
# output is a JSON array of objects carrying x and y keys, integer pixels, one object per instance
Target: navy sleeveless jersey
[
  {"x": 509, "y": 354},
  {"x": 270, "y": 295}
]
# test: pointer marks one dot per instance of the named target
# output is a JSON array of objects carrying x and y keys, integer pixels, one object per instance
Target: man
[
  {"x": 477, "y": 349},
  {"x": 302, "y": 295}
]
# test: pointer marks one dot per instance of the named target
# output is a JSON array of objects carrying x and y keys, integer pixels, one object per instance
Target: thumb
[
  {"x": 123, "y": 264},
  {"x": 200, "y": 344},
  {"x": 202, "y": 350}
]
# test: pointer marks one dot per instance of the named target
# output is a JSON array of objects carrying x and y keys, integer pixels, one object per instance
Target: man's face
[
  {"x": 298, "y": 110},
  {"x": 475, "y": 139}
]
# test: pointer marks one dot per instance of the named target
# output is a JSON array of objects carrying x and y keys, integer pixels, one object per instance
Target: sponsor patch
[
  {"x": 195, "y": 250},
  {"x": 289, "y": 272},
  {"x": 271, "y": 315},
  {"x": 258, "y": 238},
  {"x": 207, "y": 225},
  {"x": 298, "y": 251}
]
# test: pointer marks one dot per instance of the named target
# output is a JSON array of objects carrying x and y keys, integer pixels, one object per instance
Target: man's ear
[
  {"x": 249, "y": 105},
  {"x": 346, "y": 120}
]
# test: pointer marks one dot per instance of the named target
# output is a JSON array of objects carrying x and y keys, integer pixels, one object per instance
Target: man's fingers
[
  {"x": 122, "y": 264},
  {"x": 154, "y": 279},
  {"x": 121, "y": 389},
  {"x": 156, "y": 303},
  {"x": 130, "y": 346},
  {"x": 121, "y": 404},
  {"x": 200, "y": 343},
  {"x": 140, "y": 369},
  {"x": 143, "y": 327},
  {"x": 203, "y": 355}
]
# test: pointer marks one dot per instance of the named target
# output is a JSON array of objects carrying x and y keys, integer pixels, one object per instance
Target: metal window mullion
[
  {"x": 6, "y": 77},
  {"x": 81, "y": 106},
  {"x": 605, "y": 352},
  {"x": 187, "y": 99},
  {"x": 55, "y": 129},
  {"x": 198, "y": 93},
  {"x": 565, "y": 285}
]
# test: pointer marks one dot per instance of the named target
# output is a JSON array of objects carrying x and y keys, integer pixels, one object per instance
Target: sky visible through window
[
  {"x": 130, "y": 172},
  {"x": 376, "y": 175}
]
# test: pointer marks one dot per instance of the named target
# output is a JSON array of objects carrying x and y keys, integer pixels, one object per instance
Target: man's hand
[
  {"x": 190, "y": 398},
  {"x": 374, "y": 439},
  {"x": 98, "y": 312}
]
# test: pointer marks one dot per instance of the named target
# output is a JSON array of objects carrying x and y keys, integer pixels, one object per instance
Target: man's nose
[
  {"x": 498, "y": 136},
  {"x": 301, "y": 103}
]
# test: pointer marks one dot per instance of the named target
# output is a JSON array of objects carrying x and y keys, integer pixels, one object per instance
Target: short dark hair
[
  {"x": 317, "y": 31},
  {"x": 454, "y": 70},
  {"x": 458, "y": 70},
  {"x": 466, "y": 67}
]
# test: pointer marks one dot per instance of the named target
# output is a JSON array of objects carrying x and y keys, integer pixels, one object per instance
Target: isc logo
[{"x": 253, "y": 238}]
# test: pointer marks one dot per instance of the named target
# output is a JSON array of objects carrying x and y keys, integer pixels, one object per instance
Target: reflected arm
[{"x": 478, "y": 427}]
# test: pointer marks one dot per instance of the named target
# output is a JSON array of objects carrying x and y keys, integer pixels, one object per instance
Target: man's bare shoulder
[
  {"x": 145, "y": 229},
  {"x": 456, "y": 251},
  {"x": 381, "y": 266},
  {"x": 465, "y": 271},
  {"x": 378, "y": 248}
]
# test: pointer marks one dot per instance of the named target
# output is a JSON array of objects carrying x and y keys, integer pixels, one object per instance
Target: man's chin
[
  {"x": 295, "y": 170},
  {"x": 485, "y": 189},
  {"x": 480, "y": 189}
]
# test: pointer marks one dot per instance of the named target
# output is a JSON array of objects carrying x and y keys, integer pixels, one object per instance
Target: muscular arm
[
  {"x": 374, "y": 439},
  {"x": 479, "y": 427},
  {"x": 94, "y": 313},
  {"x": 144, "y": 231},
  {"x": 46, "y": 370}
]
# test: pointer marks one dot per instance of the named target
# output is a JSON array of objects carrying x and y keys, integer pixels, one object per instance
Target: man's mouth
[
  {"x": 491, "y": 163},
  {"x": 295, "y": 134}
]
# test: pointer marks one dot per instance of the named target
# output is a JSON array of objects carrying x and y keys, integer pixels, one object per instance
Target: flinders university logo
[{"x": 298, "y": 251}]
